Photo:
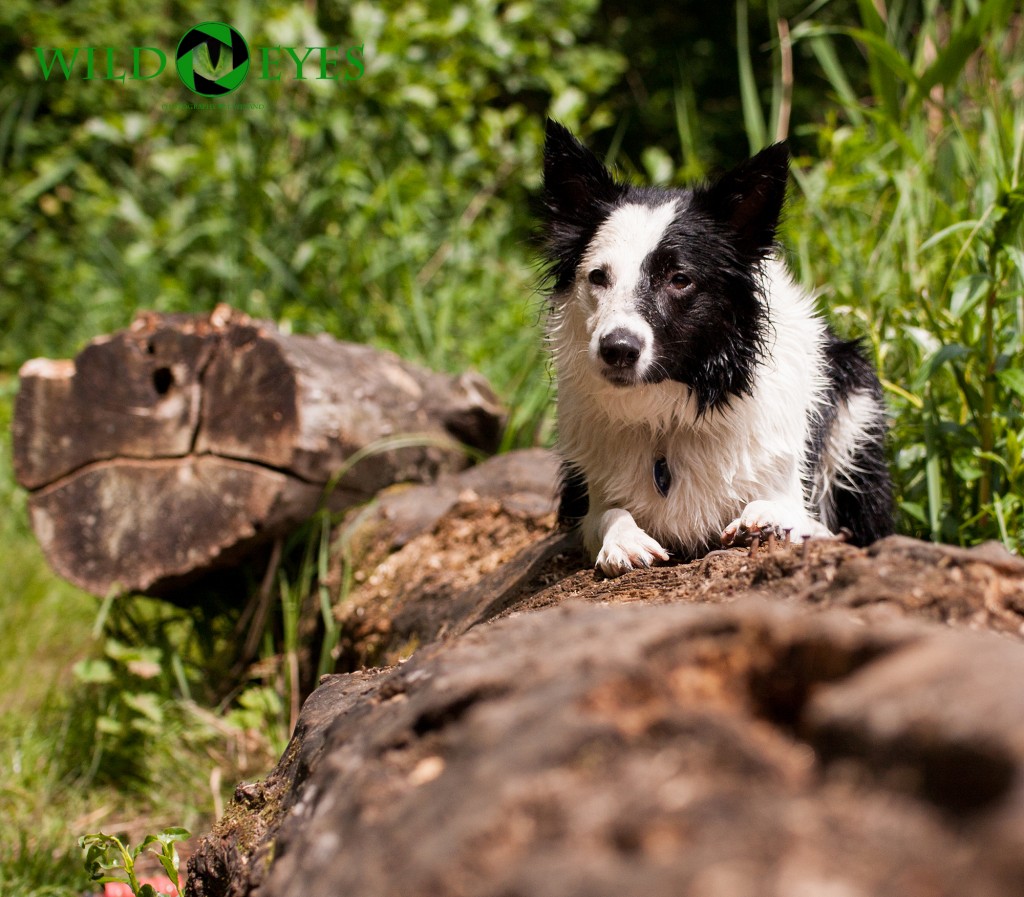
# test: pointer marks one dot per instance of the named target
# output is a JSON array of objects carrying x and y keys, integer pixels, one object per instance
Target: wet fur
[{"x": 677, "y": 333}]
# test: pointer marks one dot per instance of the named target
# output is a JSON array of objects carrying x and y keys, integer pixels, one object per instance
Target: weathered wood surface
[
  {"x": 822, "y": 722},
  {"x": 179, "y": 445}
]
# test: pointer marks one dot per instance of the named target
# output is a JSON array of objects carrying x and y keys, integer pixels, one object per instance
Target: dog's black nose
[{"x": 620, "y": 348}]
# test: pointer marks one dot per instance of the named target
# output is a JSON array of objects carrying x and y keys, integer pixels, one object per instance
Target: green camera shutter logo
[{"x": 212, "y": 59}]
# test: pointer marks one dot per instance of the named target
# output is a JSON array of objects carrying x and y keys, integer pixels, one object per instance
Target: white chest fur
[{"x": 719, "y": 462}]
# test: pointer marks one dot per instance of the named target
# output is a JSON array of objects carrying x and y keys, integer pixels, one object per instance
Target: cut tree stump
[{"x": 174, "y": 448}]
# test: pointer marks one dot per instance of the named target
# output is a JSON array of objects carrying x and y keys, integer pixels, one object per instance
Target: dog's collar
[{"x": 662, "y": 475}]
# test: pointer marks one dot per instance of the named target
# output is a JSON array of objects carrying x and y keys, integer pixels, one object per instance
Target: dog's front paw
[
  {"x": 763, "y": 518},
  {"x": 626, "y": 546}
]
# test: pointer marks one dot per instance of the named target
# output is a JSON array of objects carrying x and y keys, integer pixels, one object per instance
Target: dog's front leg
[{"x": 618, "y": 544}]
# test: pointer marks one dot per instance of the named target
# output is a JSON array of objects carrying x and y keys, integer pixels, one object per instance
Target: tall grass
[{"x": 909, "y": 219}]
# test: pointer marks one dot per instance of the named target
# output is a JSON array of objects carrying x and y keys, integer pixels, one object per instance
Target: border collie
[{"x": 701, "y": 399}]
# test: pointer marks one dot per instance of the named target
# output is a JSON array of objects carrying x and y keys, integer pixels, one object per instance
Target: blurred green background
[{"x": 395, "y": 209}]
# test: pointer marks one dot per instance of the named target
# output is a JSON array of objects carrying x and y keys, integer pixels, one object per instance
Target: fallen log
[
  {"x": 178, "y": 446},
  {"x": 828, "y": 720}
]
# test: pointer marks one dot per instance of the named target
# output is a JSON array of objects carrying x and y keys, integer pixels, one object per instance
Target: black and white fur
[{"x": 687, "y": 359}]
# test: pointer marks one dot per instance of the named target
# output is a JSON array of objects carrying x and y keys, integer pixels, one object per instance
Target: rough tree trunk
[
  {"x": 177, "y": 446},
  {"x": 800, "y": 722}
]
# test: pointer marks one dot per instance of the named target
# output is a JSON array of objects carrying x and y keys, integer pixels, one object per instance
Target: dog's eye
[
  {"x": 680, "y": 281},
  {"x": 598, "y": 277}
]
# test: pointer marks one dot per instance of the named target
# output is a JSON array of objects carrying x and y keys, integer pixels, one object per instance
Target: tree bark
[
  {"x": 796, "y": 720},
  {"x": 180, "y": 445}
]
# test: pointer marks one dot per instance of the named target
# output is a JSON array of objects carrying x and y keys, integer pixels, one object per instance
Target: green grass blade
[
  {"x": 825, "y": 52},
  {"x": 753, "y": 118}
]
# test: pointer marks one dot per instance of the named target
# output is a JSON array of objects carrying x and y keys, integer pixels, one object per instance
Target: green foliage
[
  {"x": 364, "y": 208},
  {"x": 26, "y": 868},
  {"x": 132, "y": 713},
  {"x": 917, "y": 206},
  {"x": 44, "y": 813},
  {"x": 122, "y": 740},
  {"x": 109, "y": 859}
]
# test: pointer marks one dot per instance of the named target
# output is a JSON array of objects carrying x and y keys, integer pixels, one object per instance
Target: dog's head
[{"x": 668, "y": 282}]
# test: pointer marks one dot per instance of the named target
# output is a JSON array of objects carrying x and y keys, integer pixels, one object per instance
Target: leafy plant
[
  {"x": 108, "y": 859},
  {"x": 135, "y": 697},
  {"x": 916, "y": 199},
  {"x": 28, "y": 867},
  {"x": 130, "y": 712}
]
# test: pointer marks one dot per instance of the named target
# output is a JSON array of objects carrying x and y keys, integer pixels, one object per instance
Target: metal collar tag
[{"x": 662, "y": 476}]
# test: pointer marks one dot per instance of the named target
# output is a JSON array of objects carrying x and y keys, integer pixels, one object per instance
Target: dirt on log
[
  {"x": 807, "y": 722},
  {"x": 179, "y": 445}
]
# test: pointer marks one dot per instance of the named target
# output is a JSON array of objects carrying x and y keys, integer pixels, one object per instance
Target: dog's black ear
[
  {"x": 576, "y": 184},
  {"x": 750, "y": 197},
  {"x": 579, "y": 193}
]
